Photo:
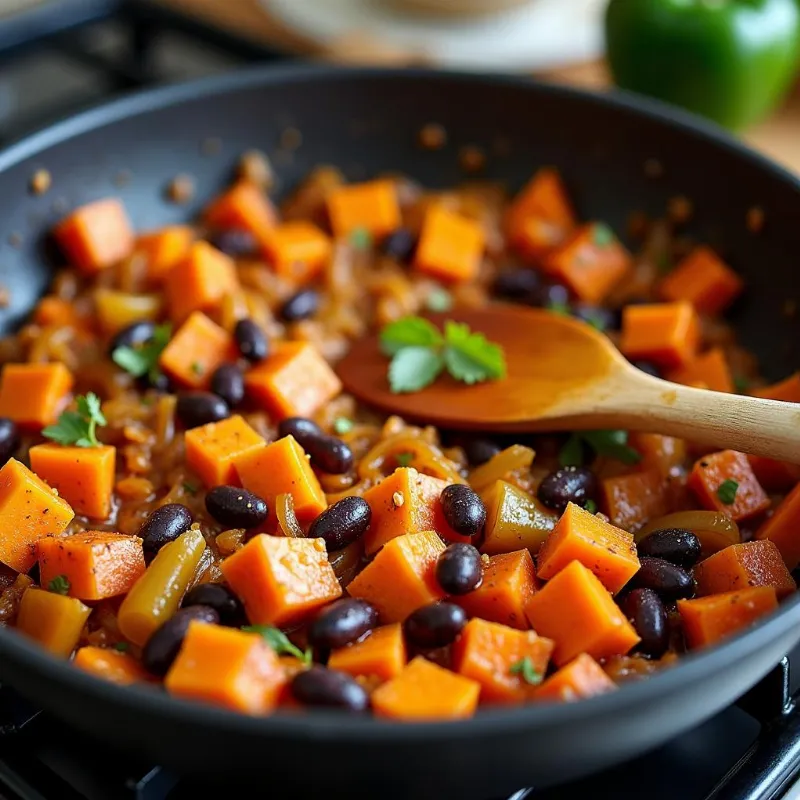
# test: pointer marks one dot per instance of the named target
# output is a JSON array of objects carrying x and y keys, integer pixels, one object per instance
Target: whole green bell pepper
[{"x": 730, "y": 60}]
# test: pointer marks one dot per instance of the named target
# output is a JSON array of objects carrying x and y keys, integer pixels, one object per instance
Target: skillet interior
[{"x": 365, "y": 122}]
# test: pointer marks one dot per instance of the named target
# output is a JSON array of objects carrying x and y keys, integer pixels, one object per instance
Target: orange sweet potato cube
[
  {"x": 787, "y": 390},
  {"x": 493, "y": 655},
  {"x": 717, "y": 477},
  {"x": 450, "y": 246},
  {"x": 212, "y": 449},
  {"x": 372, "y": 206},
  {"x": 381, "y": 654},
  {"x": 711, "y": 369},
  {"x": 703, "y": 280},
  {"x": 83, "y": 476},
  {"x": 774, "y": 476},
  {"x": 420, "y": 508},
  {"x": 96, "y": 235},
  {"x": 583, "y": 677},
  {"x": 706, "y": 620},
  {"x": 608, "y": 551},
  {"x": 423, "y": 691},
  {"x": 298, "y": 250},
  {"x": 226, "y": 668},
  {"x": 198, "y": 347},
  {"x": 163, "y": 249},
  {"x": 243, "y": 207},
  {"x": 110, "y": 665},
  {"x": 96, "y": 564},
  {"x": 29, "y": 511},
  {"x": 576, "y": 611},
  {"x": 53, "y": 620},
  {"x": 199, "y": 281},
  {"x": 633, "y": 499},
  {"x": 662, "y": 453},
  {"x": 281, "y": 580},
  {"x": 756, "y": 563},
  {"x": 34, "y": 395},
  {"x": 783, "y": 528},
  {"x": 667, "y": 334},
  {"x": 509, "y": 581},
  {"x": 282, "y": 468},
  {"x": 591, "y": 262},
  {"x": 294, "y": 381},
  {"x": 402, "y": 576}
]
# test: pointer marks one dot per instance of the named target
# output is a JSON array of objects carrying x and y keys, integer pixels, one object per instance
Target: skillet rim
[{"x": 321, "y": 726}]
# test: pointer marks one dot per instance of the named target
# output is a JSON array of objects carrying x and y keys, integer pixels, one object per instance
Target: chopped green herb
[
  {"x": 79, "y": 427},
  {"x": 122, "y": 647},
  {"x": 571, "y": 454},
  {"x": 361, "y": 239},
  {"x": 525, "y": 669},
  {"x": 596, "y": 320},
  {"x": 279, "y": 642},
  {"x": 602, "y": 235},
  {"x": 197, "y": 368},
  {"x": 143, "y": 360},
  {"x": 469, "y": 356},
  {"x": 59, "y": 585},
  {"x": 590, "y": 506},
  {"x": 612, "y": 444},
  {"x": 414, "y": 368},
  {"x": 741, "y": 384},
  {"x": 189, "y": 488},
  {"x": 404, "y": 459},
  {"x": 562, "y": 309},
  {"x": 409, "y": 332},
  {"x": 727, "y": 491},
  {"x": 342, "y": 425},
  {"x": 439, "y": 300}
]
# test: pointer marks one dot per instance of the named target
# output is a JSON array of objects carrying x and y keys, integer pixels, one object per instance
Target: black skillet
[{"x": 367, "y": 122}]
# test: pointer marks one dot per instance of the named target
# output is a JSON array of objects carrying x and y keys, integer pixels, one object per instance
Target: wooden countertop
[{"x": 778, "y": 137}]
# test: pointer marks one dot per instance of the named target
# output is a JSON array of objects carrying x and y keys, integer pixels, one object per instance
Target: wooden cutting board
[{"x": 778, "y": 137}]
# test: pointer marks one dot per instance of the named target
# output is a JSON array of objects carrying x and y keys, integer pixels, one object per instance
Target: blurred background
[{"x": 733, "y": 61}]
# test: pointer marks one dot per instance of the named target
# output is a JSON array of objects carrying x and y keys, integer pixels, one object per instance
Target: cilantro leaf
[
  {"x": 279, "y": 642},
  {"x": 590, "y": 506},
  {"x": 404, "y": 459},
  {"x": 469, "y": 356},
  {"x": 342, "y": 425},
  {"x": 143, "y": 360},
  {"x": 122, "y": 647},
  {"x": 189, "y": 488},
  {"x": 414, "y": 368},
  {"x": 409, "y": 332},
  {"x": 525, "y": 669},
  {"x": 726, "y": 491},
  {"x": 79, "y": 427},
  {"x": 439, "y": 300},
  {"x": 361, "y": 239},
  {"x": 59, "y": 585},
  {"x": 562, "y": 309},
  {"x": 602, "y": 235},
  {"x": 741, "y": 384},
  {"x": 612, "y": 444},
  {"x": 571, "y": 454}
]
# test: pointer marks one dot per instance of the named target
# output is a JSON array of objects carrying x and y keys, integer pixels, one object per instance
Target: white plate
[{"x": 543, "y": 34}]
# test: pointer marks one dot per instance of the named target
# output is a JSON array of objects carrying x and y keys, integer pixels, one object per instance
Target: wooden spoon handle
[{"x": 749, "y": 424}]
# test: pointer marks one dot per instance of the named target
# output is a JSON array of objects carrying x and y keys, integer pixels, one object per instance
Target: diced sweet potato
[
  {"x": 514, "y": 519},
  {"x": 704, "y": 280},
  {"x": 576, "y": 611},
  {"x": 227, "y": 668},
  {"x": 294, "y": 381},
  {"x": 33, "y": 395},
  {"x": 29, "y": 511},
  {"x": 402, "y": 576},
  {"x": 110, "y": 665},
  {"x": 633, "y": 499},
  {"x": 450, "y": 246},
  {"x": 117, "y": 310},
  {"x": 668, "y": 334},
  {"x": 163, "y": 249},
  {"x": 663, "y": 453},
  {"x": 95, "y": 564},
  {"x": 756, "y": 563},
  {"x": 213, "y": 449},
  {"x": 734, "y": 471},
  {"x": 381, "y": 654},
  {"x": 423, "y": 691},
  {"x": 298, "y": 251},
  {"x": 282, "y": 468},
  {"x": 96, "y": 235},
  {"x": 706, "y": 620},
  {"x": 509, "y": 581},
  {"x": 281, "y": 580},
  {"x": 493, "y": 655},
  {"x": 783, "y": 528},
  {"x": 710, "y": 369},
  {"x": 83, "y": 476},
  {"x": 53, "y": 620},
  {"x": 608, "y": 551},
  {"x": 372, "y": 206},
  {"x": 243, "y": 207},
  {"x": 583, "y": 677},
  {"x": 787, "y": 390},
  {"x": 774, "y": 476}
]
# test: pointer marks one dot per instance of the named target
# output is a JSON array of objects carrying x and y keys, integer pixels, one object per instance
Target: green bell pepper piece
[{"x": 730, "y": 60}]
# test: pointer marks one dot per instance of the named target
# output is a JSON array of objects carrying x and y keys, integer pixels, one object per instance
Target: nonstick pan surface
[{"x": 617, "y": 155}]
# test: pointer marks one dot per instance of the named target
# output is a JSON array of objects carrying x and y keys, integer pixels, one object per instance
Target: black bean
[
  {"x": 163, "y": 646},
  {"x": 678, "y": 546},
  {"x": 646, "y": 366},
  {"x": 666, "y": 580},
  {"x": 9, "y": 439},
  {"x": 236, "y": 508},
  {"x": 479, "y": 451},
  {"x": 329, "y": 454},
  {"x": 568, "y": 485},
  {"x": 646, "y": 612},
  {"x": 341, "y": 623},
  {"x": 518, "y": 285},
  {"x": 251, "y": 340},
  {"x": 343, "y": 523},
  {"x": 35, "y": 575},
  {"x": 400, "y": 244},
  {"x": 200, "y": 408},
  {"x": 320, "y": 686},
  {"x": 227, "y": 381},
  {"x": 302, "y": 428},
  {"x": 459, "y": 569},
  {"x": 300, "y": 306},
  {"x": 234, "y": 242},
  {"x": 435, "y": 625},
  {"x": 463, "y": 510},
  {"x": 221, "y": 599},
  {"x": 163, "y": 526},
  {"x": 158, "y": 381},
  {"x": 134, "y": 335}
]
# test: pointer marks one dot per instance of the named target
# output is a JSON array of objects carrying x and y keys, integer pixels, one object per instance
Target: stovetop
[{"x": 60, "y": 56}]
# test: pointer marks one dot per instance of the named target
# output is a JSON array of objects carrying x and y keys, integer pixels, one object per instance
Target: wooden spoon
[{"x": 565, "y": 375}]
